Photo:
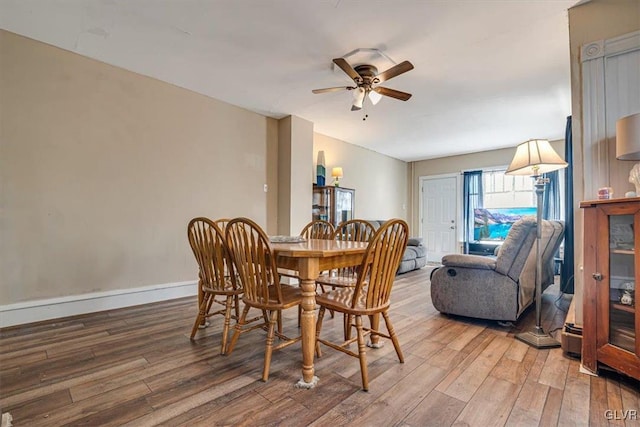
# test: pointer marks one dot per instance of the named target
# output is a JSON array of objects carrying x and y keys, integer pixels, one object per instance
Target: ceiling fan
[{"x": 367, "y": 78}]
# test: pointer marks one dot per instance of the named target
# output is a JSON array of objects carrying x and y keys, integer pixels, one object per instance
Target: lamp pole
[{"x": 538, "y": 338}]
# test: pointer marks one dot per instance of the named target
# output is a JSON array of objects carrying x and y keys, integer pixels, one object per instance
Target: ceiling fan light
[
  {"x": 358, "y": 97},
  {"x": 374, "y": 97}
]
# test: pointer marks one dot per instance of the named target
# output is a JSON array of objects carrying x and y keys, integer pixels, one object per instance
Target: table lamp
[
  {"x": 628, "y": 145},
  {"x": 533, "y": 158},
  {"x": 336, "y": 173}
]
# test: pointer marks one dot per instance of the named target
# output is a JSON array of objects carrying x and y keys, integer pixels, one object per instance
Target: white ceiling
[{"x": 488, "y": 74}]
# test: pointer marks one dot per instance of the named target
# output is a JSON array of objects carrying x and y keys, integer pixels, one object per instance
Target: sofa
[
  {"x": 500, "y": 287},
  {"x": 415, "y": 254}
]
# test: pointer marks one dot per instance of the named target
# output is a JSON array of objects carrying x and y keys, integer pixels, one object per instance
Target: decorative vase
[{"x": 320, "y": 169}]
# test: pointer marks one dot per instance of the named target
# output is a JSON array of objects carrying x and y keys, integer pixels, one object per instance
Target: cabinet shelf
[
  {"x": 622, "y": 307},
  {"x": 623, "y": 251}
]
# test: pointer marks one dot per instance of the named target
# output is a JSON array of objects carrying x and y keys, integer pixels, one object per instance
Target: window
[{"x": 507, "y": 191}]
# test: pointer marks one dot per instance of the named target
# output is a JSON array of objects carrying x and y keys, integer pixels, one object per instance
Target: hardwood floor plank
[
  {"x": 552, "y": 407},
  {"x": 554, "y": 371},
  {"x": 467, "y": 335},
  {"x": 351, "y": 407},
  {"x": 598, "y": 402},
  {"x": 22, "y": 360},
  {"x": 243, "y": 410},
  {"x": 528, "y": 407},
  {"x": 614, "y": 402},
  {"x": 27, "y": 395},
  {"x": 168, "y": 412},
  {"x": 78, "y": 410},
  {"x": 39, "y": 406},
  {"x": 435, "y": 410},
  {"x": 402, "y": 398},
  {"x": 576, "y": 406},
  {"x": 490, "y": 405},
  {"x": 464, "y": 387}
]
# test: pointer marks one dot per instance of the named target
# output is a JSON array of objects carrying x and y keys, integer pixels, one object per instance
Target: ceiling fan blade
[
  {"x": 344, "y": 65},
  {"x": 394, "y": 71},
  {"x": 403, "y": 96},
  {"x": 333, "y": 89}
]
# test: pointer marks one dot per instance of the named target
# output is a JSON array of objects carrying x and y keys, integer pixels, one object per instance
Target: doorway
[{"x": 439, "y": 215}]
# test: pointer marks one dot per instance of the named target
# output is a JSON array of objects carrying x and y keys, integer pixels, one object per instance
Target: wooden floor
[{"x": 136, "y": 366}]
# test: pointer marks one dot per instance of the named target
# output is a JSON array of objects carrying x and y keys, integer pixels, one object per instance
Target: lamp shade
[
  {"x": 535, "y": 157},
  {"x": 375, "y": 97},
  {"x": 358, "y": 98},
  {"x": 336, "y": 172},
  {"x": 628, "y": 138}
]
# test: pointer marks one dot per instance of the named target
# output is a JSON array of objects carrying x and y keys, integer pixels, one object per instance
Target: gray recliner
[{"x": 501, "y": 287}]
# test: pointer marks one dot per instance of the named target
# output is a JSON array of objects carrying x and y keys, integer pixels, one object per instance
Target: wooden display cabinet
[
  {"x": 611, "y": 272},
  {"x": 333, "y": 204}
]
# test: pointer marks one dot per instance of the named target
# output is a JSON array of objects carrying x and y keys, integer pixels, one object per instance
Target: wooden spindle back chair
[
  {"x": 318, "y": 229},
  {"x": 256, "y": 267},
  {"x": 371, "y": 294},
  {"x": 217, "y": 276}
]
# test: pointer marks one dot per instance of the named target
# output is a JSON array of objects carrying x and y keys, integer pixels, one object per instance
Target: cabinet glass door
[
  {"x": 622, "y": 284},
  {"x": 344, "y": 205}
]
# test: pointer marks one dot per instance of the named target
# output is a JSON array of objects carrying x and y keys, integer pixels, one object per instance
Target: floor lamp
[{"x": 533, "y": 158}]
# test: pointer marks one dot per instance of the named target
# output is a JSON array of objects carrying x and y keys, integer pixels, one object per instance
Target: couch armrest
[
  {"x": 414, "y": 241},
  {"x": 469, "y": 261}
]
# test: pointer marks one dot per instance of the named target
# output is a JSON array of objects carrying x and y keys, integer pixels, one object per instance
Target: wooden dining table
[{"x": 309, "y": 258}]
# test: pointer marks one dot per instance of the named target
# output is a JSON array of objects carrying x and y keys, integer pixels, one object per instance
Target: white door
[{"x": 439, "y": 216}]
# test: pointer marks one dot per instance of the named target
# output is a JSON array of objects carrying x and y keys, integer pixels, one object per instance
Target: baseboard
[{"x": 54, "y": 308}]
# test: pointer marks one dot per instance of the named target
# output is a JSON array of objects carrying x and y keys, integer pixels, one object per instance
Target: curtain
[
  {"x": 472, "y": 199},
  {"x": 551, "y": 196},
  {"x": 566, "y": 274}
]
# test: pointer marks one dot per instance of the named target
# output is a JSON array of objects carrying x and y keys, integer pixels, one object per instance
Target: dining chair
[
  {"x": 217, "y": 278},
  {"x": 256, "y": 267},
  {"x": 221, "y": 223},
  {"x": 355, "y": 230},
  {"x": 371, "y": 294},
  {"x": 316, "y": 229}
]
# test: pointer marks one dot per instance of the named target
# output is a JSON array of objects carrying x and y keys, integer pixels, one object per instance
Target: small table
[{"x": 309, "y": 258}]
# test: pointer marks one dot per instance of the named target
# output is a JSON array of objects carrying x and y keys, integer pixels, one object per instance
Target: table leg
[{"x": 308, "y": 273}]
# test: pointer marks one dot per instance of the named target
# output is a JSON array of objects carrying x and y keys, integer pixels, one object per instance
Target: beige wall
[
  {"x": 101, "y": 169},
  {"x": 589, "y": 22},
  {"x": 380, "y": 181},
  {"x": 464, "y": 162}
]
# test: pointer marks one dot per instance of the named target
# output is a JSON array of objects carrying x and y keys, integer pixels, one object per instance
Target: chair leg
[
  {"x": 273, "y": 319},
  {"x": 362, "y": 354},
  {"x": 318, "y": 328},
  {"x": 201, "y": 314},
  {"x": 394, "y": 337},
  {"x": 347, "y": 327},
  {"x": 238, "y": 329},
  {"x": 227, "y": 321},
  {"x": 237, "y": 306}
]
